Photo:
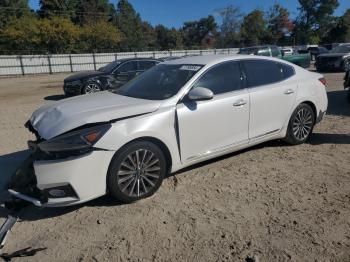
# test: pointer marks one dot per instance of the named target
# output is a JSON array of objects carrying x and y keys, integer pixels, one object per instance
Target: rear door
[{"x": 272, "y": 95}]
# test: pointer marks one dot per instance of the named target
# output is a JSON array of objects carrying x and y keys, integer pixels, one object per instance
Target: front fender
[{"x": 159, "y": 125}]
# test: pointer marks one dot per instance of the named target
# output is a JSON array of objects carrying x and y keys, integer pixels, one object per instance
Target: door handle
[
  {"x": 288, "y": 92},
  {"x": 240, "y": 102}
]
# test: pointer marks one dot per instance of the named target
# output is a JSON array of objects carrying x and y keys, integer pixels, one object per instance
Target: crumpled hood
[{"x": 59, "y": 117}]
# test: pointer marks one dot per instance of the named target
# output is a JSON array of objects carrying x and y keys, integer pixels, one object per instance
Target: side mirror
[{"x": 200, "y": 93}]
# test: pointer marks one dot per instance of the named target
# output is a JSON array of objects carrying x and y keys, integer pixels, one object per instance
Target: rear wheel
[
  {"x": 136, "y": 171},
  {"x": 300, "y": 125}
]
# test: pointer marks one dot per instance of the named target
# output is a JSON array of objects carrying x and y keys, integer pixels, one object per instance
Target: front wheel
[
  {"x": 91, "y": 87},
  {"x": 136, "y": 171},
  {"x": 300, "y": 125}
]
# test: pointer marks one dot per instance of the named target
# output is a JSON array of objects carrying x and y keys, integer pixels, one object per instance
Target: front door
[{"x": 209, "y": 127}]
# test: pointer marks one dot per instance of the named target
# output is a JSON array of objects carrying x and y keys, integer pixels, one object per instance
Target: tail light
[{"x": 323, "y": 81}]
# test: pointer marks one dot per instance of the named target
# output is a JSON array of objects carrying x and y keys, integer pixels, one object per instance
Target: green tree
[
  {"x": 253, "y": 29},
  {"x": 167, "y": 39},
  {"x": 130, "y": 24},
  {"x": 62, "y": 8},
  {"x": 57, "y": 35},
  {"x": 30, "y": 35},
  {"x": 341, "y": 31},
  {"x": 20, "y": 36},
  {"x": 314, "y": 20},
  {"x": 199, "y": 33},
  {"x": 279, "y": 23},
  {"x": 230, "y": 28},
  {"x": 89, "y": 11},
  {"x": 100, "y": 35},
  {"x": 10, "y": 9}
]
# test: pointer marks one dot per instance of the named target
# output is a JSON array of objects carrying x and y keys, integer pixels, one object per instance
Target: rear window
[
  {"x": 265, "y": 72},
  {"x": 262, "y": 72},
  {"x": 287, "y": 71}
]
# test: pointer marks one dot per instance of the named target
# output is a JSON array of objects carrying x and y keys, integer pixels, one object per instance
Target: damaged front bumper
[{"x": 63, "y": 182}]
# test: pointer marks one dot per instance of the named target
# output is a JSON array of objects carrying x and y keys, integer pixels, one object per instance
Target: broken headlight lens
[{"x": 76, "y": 142}]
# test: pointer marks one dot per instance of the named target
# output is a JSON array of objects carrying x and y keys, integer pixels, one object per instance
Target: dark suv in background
[
  {"x": 113, "y": 75},
  {"x": 338, "y": 59}
]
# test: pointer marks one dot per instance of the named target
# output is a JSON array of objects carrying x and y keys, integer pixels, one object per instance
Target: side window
[
  {"x": 287, "y": 71},
  {"x": 221, "y": 78},
  {"x": 144, "y": 65},
  {"x": 262, "y": 72},
  {"x": 274, "y": 51},
  {"x": 127, "y": 67}
]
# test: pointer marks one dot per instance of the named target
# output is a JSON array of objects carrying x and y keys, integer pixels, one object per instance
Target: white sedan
[{"x": 124, "y": 142}]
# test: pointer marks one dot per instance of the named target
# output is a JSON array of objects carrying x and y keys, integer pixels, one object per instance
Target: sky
[{"x": 173, "y": 13}]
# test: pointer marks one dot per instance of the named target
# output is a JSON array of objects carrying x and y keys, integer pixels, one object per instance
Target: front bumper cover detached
[{"x": 61, "y": 182}]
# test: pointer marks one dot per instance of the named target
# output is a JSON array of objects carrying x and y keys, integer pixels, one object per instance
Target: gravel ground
[{"x": 273, "y": 202}]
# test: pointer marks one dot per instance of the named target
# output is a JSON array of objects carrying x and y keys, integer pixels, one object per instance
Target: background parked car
[
  {"x": 287, "y": 50},
  {"x": 302, "y": 60},
  {"x": 336, "y": 60},
  {"x": 347, "y": 81},
  {"x": 316, "y": 51},
  {"x": 113, "y": 75}
]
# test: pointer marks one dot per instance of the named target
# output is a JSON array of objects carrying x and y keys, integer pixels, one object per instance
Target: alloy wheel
[
  {"x": 92, "y": 88},
  {"x": 302, "y": 124},
  {"x": 138, "y": 173}
]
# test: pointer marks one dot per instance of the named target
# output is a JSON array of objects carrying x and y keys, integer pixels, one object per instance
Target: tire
[
  {"x": 129, "y": 179},
  {"x": 348, "y": 95},
  {"x": 346, "y": 65},
  {"x": 91, "y": 87},
  {"x": 300, "y": 125}
]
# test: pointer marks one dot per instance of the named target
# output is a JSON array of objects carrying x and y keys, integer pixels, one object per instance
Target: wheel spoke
[
  {"x": 152, "y": 163},
  {"x": 127, "y": 185},
  {"x": 151, "y": 175},
  {"x": 132, "y": 187},
  {"x": 124, "y": 172},
  {"x": 124, "y": 164},
  {"x": 149, "y": 158},
  {"x": 148, "y": 181},
  {"x": 151, "y": 169},
  {"x": 143, "y": 185},
  {"x": 137, "y": 159},
  {"x": 124, "y": 179},
  {"x": 132, "y": 162}
]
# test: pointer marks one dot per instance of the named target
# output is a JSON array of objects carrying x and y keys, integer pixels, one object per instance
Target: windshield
[
  {"x": 160, "y": 82},
  {"x": 109, "y": 67},
  {"x": 341, "y": 49}
]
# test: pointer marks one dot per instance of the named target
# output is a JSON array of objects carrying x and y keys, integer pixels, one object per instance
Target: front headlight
[{"x": 76, "y": 142}]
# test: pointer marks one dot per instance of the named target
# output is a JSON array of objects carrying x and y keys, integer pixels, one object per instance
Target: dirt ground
[{"x": 270, "y": 203}]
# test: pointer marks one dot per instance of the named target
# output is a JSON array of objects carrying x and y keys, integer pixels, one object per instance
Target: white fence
[{"x": 50, "y": 64}]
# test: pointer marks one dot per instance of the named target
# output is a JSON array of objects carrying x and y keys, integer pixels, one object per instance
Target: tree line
[{"x": 78, "y": 26}]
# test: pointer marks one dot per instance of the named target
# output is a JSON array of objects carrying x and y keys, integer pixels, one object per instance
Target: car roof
[
  {"x": 212, "y": 59},
  {"x": 137, "y": 59}
]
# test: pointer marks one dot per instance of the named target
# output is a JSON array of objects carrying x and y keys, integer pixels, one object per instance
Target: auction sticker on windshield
[{"x": 190, "y": 67}]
